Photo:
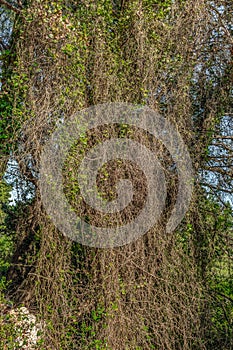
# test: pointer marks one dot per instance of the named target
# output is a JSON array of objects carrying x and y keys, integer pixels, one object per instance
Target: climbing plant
[{"x": 174, "y": 57}]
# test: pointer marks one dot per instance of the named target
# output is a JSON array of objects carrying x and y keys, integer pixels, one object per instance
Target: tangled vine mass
[{"x": 162, "y": 291}]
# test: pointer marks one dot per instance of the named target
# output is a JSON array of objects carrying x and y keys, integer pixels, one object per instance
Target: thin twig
[{"x": 10, "y": 7}]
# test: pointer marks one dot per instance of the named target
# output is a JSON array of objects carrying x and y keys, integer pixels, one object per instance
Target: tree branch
[
  {"x": 224, "y": 137},
  {"x": 222, "y": 145},
  {"x": 224, "y": 25},
  {"x": 9, "y": 6},
  {"x": 218, "y": 169},
  {"x": 216, "y": 188}
]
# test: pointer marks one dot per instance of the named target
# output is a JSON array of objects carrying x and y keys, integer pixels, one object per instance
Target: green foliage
[
  {"x": 11, "y": 110},
  {"x": 8, "y": 333},
  {"x": 6, "y": 237}
]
